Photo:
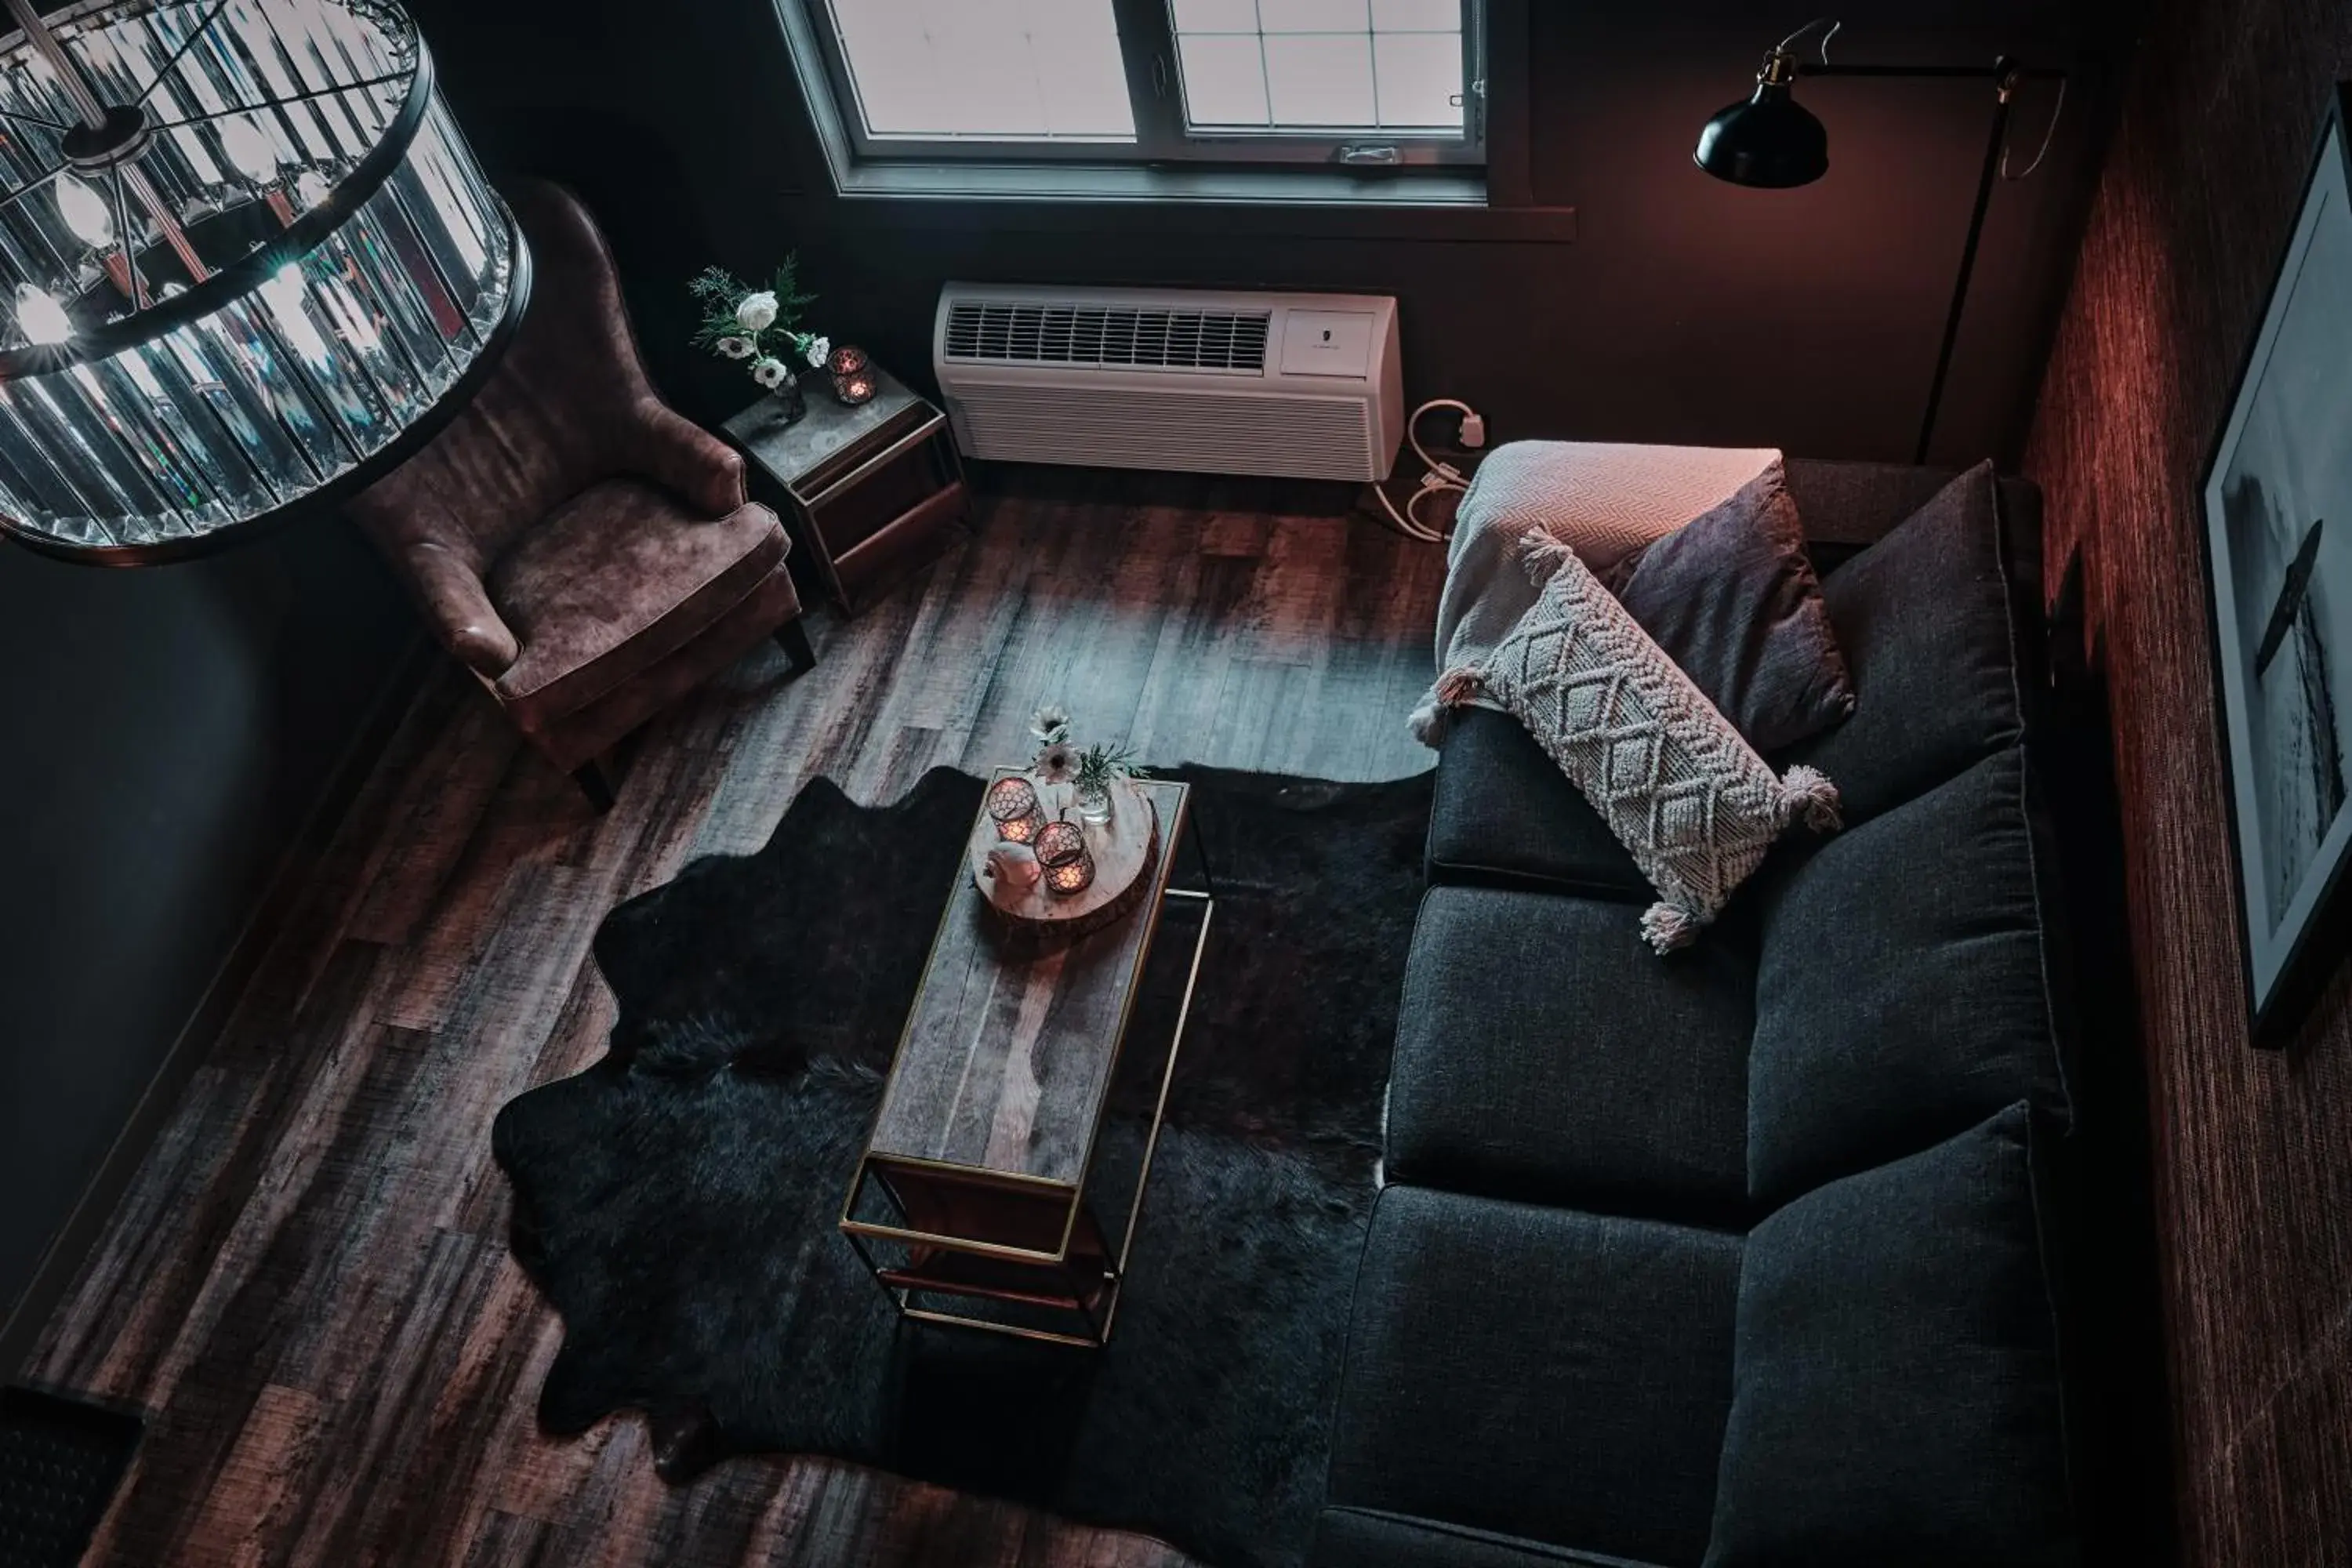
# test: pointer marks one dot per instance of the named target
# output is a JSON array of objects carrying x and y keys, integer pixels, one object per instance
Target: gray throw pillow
[{"x": 1732, "y": 598}]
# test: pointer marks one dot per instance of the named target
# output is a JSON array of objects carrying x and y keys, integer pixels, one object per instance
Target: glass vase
[{"x": 1095, "y": 800}]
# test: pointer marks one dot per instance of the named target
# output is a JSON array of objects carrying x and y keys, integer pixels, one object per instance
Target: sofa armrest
[
  {"x": 682, "y": 457},
  {"x": 459, "y": 608}
]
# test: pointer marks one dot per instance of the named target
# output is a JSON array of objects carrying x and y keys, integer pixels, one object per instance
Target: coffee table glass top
[{"x": 1007, "y": 1055}]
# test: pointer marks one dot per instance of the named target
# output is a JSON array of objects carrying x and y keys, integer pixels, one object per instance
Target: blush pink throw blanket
[{"x": 1602, "y": 499}]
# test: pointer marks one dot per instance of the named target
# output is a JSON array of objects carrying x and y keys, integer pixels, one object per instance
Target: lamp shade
[
  {"x": 1770, "y": 140},
  {"x": 248, "y": 264}
]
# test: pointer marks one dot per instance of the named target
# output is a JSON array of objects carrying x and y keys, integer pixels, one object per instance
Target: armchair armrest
[
  {"x": 681, "y": 456},
  {"x": 463, "y": 617}
]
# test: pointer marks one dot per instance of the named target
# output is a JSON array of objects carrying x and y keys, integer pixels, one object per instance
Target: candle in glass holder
[
  {"x": 1062, "y": 850},
  {"x": 846, "y": 359},
  {"x": 856, "y": 389},
  {"x": 1012, "y": 807}
]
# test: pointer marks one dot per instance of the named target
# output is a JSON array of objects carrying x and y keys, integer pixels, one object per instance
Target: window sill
[{"x": 1081, "y": 197}]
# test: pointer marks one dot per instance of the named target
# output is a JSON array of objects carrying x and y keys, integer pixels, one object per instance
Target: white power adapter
[{"x": 1439, "y": 475}]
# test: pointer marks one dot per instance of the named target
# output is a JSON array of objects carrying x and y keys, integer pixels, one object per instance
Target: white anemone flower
[
  {"x": 771, "y": 374},
  {"x": 756, "y": 312},
  {"x": 1050, "y": 723},
  {"x": 819, "y": 351},
  {"x": 735, "y": 348}
]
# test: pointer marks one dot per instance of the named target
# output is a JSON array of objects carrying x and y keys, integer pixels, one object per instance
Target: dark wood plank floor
[{"x": 307, "y": 1287}]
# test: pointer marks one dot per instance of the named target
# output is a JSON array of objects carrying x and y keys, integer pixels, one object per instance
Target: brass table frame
[{"x": 1109, "y": 1287}]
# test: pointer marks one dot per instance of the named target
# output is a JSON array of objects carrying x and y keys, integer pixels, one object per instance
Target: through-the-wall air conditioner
[{"x": 1298, "y": 386}]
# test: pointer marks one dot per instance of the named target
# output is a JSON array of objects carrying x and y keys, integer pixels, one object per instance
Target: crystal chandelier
[{"x": 248, "y": 264}]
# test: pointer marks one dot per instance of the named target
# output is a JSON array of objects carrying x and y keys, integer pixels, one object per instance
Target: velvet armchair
[{"x": 588, "y": 552}]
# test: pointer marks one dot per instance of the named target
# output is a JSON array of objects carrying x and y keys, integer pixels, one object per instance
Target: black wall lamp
[{"x": 1772, "y": 141}]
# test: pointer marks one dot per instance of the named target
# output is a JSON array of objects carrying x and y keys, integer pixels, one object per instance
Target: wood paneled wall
[{"x": 2253, "y": 1150}]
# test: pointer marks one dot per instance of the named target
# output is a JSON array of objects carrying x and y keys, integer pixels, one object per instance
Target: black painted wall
[
  {"x": 1684, "y": 310},
  {"x": 164, "y": 733}
]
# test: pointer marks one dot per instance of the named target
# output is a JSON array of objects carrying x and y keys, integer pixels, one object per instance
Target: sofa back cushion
[
  {"x": 1928, "y": 619},
  {"x": 1902, "y": 987},
  {"x": 1895, "y": 1383}
]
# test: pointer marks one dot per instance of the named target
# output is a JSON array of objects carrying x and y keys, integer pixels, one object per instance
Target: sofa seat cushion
[
  {"x": 612, "y": 581},
  {"x": 1901, "y": 993},
  {"x": 1538, "y": 1372},
  {"x": 1927, "y": 618},
  {"x": 1503, "y": 813},
  {"x": 1898, "y": 1395},
  {"x": 1544, "y": 1054},
  {"x": 1365, "y": 1538}
]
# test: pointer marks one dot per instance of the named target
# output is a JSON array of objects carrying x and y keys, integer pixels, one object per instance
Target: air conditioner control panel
[{"x": 1326, "y": 342}]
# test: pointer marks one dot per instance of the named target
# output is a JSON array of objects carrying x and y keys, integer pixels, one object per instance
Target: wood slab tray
[{"x": 1125, "y": 851}]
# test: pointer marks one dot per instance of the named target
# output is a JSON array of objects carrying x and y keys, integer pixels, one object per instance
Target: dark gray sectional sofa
[{"x": 1750, "y": 1255}]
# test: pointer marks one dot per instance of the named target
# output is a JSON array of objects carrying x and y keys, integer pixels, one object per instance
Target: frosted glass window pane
[
  {"x": 996, "y": 69},
  {"x": 1416, "y": 15},
  {"x": 1344, "y": 65},
  {"x": 1313, "y": 15},
  {"x": 1224, "y": 80},
  {"x": 1418, "y": 76},
  {"x": 1320, "y": 79},
  {"x": 1216, "y": 16}
]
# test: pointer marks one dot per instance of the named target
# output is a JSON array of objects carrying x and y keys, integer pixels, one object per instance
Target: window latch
[{"x": 1369, "y": 154}]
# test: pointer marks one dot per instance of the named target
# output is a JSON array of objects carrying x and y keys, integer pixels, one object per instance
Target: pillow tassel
[
  {"x": 1808, "y": 792},
  {"x": 1667, "y": 926},
  {"x": 1458, "y": 686}
]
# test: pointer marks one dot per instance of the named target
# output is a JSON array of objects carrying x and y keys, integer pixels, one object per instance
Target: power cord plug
[{"x": 1438, "y": 475}]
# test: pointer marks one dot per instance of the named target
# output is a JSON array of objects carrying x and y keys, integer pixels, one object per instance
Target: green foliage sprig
[{"x": 758, "y": 327}]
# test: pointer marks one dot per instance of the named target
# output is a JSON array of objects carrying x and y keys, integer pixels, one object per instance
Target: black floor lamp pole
[
  {"x": 1772, "y": 142},
  {"x": 1968, "y": 262},
  {"x": 2004, "y": 75}
]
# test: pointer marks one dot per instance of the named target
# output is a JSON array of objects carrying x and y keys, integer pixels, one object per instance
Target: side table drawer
[{"x": 888, "y": 555}]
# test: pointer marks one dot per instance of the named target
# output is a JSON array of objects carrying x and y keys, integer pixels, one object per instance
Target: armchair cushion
[{"x": 613, "y": 581}]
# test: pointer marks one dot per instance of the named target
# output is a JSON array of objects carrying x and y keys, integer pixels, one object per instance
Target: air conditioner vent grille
[{"x": 984, "y": 332}]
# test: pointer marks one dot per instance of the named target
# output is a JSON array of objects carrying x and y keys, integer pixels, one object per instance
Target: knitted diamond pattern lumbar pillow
[{"x": 1673, "y": 780}]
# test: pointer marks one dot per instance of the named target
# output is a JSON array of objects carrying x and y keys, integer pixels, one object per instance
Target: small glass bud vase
[
  {"x": 1012, "y": 807},
  {"x": 791, "y": 401},
  {"x": 1062, "y": 851},
  {"x": 1095, "y": 800}
]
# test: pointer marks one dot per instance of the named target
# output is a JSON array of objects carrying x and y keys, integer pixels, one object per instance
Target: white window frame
[{"x": 1155, "y": 91}]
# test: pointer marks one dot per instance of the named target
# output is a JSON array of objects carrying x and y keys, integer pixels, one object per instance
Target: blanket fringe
[
  {"x": 1807, "y": 791},
  {"x": 1458, "y": 686}
]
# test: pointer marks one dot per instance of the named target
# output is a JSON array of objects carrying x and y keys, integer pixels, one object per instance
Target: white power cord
[{"x": 1441, "y": 476}]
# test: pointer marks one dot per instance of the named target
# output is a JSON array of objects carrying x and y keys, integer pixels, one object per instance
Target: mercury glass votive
[
  {"x": 847, "y": 360},
  {"x": 853, "y": 390},
  {"x": 1012, "y": 807},
  {"x": 1062, "y": 851}
]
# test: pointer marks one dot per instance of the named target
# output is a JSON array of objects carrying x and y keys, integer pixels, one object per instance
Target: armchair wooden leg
[
  {"x": 792, "y": 637},
  {"x": 595, "y": 783}
]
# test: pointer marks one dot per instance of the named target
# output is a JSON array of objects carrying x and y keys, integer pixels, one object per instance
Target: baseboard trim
[{"x": 87, "y": 1221}]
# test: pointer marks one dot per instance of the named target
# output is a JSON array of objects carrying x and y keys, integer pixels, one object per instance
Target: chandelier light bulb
[
  {"x": 249, "y": 150},
  {"x": 84, "y": 211},
  {"x": 41, "y": 317}
]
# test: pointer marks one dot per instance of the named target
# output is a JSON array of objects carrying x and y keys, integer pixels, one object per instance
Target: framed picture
[{"x": 2278, "y": 537}]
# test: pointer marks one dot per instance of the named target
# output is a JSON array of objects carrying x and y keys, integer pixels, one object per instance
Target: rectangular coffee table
[{"x": 970, "y": 1196}]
